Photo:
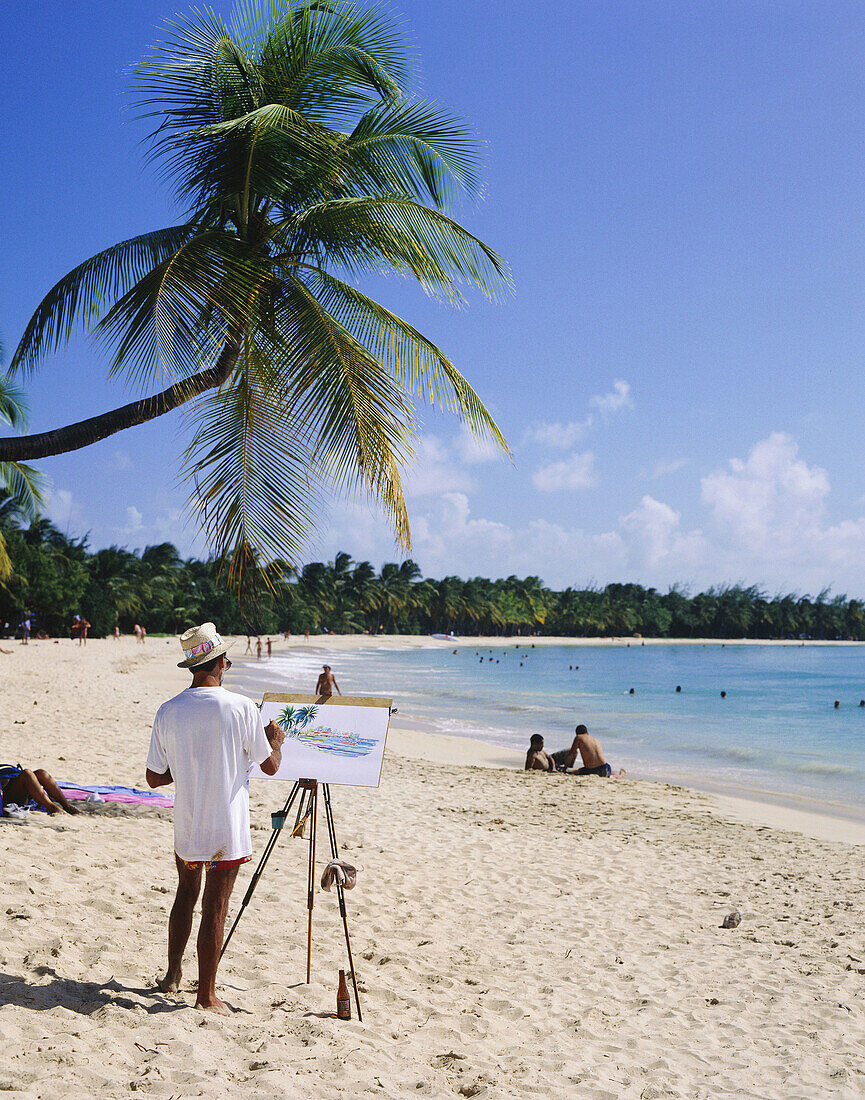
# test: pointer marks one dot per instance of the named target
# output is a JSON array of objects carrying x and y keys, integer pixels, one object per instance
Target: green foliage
[{"x": 56, "y": 577}]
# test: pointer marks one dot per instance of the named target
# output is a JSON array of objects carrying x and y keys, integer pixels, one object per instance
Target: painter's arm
[{"x": 158, "y": 779}]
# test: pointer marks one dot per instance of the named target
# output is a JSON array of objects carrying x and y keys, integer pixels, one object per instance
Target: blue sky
[{"x": 678, "y": 188}]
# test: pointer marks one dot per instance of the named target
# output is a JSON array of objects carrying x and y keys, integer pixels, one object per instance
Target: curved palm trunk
[{"x": 75, "y": 436}]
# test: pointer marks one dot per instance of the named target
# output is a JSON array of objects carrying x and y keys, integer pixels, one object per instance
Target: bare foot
[
  {"x": 70, "y": 809},
  {"x": 170, "y": 983},
  {"x": 213, "y": 1005}
]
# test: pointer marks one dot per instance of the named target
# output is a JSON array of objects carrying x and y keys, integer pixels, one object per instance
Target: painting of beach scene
[{"x": 340, "y": 740}]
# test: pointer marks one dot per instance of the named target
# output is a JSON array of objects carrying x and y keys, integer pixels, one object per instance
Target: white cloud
[
  {"x": 474, "y": 451},
  {"x": 434, "y": 471},
  {"x": 122, "y": 461},
  {"x": 619, "y": 398},
  {"x": 133, "y": 520},
  {"x": 558, "y": 434},
  {"x": 771, "y": 496},
  {"x": 653, "y": 537},
  {"x": 64, "y": 511},
  {"x": 662, "y": 468},
  {"x": 576, "y": 472}
]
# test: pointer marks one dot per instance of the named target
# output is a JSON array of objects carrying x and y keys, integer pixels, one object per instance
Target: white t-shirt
[{"x": 208, "y": 738}]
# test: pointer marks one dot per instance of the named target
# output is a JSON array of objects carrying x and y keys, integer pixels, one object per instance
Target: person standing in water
[{"x": 326, "y": 682}]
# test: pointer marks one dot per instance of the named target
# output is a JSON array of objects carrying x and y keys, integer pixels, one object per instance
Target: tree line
[{"x": 56, "y": 576}]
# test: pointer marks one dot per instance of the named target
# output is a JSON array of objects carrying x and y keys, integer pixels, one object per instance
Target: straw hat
[{"x": 201, "y": 644}]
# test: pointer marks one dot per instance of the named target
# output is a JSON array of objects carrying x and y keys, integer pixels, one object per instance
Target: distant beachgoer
[
  {"x": 326, "y": 682},
  {"x": 536, "y": 758},
  {"x": 591, "y": 753},
  {"x": 83, "y": 627},
  {"x": 862, "y": 702},
  {"x": 837, "y": 704},
  {"x": 286, "y": 634},
  {"x": 306, "y": 634},
  {"x": 20, "y": 785},
  {"x": 678, "y": 688},
  {"x": 632, "y": 692},
  {"x": 723, "y": 695},
  {"x": 75, "y": 628},
  {"x": 136, "y": 630},
  {"x": 258, "y": 649},
  {"x": 269, "y": 648},
  {"x": 24, "y": 627},
  {"x": 248, "y": 645},
  {"x": 116, "y": 633}
]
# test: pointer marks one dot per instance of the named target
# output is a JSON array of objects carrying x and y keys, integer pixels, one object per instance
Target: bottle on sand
[{"x": 343, "y": 1004}]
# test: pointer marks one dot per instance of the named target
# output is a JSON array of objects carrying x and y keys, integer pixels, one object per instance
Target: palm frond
[
  {"x": 416, "y": 363},
  {"x": 25, "y": 486},
  {"x": 178, "y": 315},
  {"x": 79, "y": 298},
  {"x": 414, "y": 148},
  {"x": 13, "y": 403},
  {"x": 397, "y": 233},
  {"x": 358, "y": 417},
  {"x": 256, "y": 498}
]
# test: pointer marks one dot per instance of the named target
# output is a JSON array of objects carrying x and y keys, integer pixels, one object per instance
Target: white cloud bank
[{"x": 762, "y": 520}]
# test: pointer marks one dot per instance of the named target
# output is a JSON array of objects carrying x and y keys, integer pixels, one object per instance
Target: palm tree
[
  {"x": 21, "y": 484},
  {"x": 303, "y": 165}
]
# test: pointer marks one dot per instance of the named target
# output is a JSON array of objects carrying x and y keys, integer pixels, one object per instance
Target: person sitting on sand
[
  {"x": 20, "y": 786},
  {"x": 589, "y": 749},
  {"x": 204, "y": 741},
  {"x": 536, "y": 758}
]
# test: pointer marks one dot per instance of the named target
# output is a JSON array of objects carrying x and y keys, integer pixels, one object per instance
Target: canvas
[{"x": 337, "y": 740}]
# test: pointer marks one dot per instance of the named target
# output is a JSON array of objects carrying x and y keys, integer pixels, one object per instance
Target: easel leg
[
  {"x": 310, "y": 880},
  {"x": 340, "y": 893},
  {"x": 265, "y": 856}
]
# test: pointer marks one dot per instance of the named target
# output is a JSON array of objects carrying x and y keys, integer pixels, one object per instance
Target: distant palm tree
[{"x": 304, "y": 166}]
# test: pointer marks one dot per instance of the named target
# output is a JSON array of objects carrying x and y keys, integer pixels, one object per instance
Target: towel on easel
[{"x": 339, "y": 872}]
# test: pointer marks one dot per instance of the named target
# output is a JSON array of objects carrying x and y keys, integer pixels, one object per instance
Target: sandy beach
[{"x": 515, "y": 934}]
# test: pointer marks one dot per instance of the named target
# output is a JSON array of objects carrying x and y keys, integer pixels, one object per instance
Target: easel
[{"x": 307, "y": 810}]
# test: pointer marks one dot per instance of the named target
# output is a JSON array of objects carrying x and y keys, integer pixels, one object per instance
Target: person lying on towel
[{"x": 19, "y": 786}]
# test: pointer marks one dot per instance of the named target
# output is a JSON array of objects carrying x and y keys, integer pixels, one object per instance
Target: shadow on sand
[{"x": 85, "y": 998}]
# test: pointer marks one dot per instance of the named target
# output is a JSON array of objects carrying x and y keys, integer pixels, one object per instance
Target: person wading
[
  {"x": 326, "y": 682},
  {"x": 204, "y": 741}
]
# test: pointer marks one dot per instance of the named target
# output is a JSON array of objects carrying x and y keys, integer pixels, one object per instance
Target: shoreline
[{"x": 811, "y": 817}]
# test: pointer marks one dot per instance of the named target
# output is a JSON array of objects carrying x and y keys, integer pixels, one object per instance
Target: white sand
[{"x": 515, "y": 934}]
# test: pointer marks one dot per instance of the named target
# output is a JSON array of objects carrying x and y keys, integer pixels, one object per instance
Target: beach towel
[{"x": 116, "y": 794}]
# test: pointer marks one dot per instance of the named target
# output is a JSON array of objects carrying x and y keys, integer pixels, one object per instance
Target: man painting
[
  {"x": 326, "y": 682},
  {"x": 204, "y": 740},
  {"x": 590, "y": 752}
]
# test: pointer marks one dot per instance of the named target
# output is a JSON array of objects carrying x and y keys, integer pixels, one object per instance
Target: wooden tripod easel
[{"x": 307, "y": 811}]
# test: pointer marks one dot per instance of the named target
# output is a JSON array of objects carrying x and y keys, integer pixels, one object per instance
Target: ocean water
[{"x": 776, "y": 733}]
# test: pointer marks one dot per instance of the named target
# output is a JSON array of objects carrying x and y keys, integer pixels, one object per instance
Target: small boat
[{"x": 445, "y": 637}]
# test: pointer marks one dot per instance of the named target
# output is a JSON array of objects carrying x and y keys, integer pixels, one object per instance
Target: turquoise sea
[{"x": 776, "y": 734}]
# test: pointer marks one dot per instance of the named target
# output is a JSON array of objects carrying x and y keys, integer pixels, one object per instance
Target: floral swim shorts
[{"x": 211, "y": 864}]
